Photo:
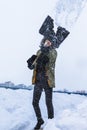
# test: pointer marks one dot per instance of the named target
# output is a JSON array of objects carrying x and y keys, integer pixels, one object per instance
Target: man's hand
[{"x": 30, "y": 62}]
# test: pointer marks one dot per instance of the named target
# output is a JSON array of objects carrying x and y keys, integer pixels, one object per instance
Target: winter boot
[{"x": 39, "y": 123}]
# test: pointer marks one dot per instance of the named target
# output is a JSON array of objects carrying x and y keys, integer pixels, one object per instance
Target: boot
[{"x": 39, "y": 123}]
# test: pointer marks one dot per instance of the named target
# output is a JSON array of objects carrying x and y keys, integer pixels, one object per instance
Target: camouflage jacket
[{"x": 50, "y": 68}]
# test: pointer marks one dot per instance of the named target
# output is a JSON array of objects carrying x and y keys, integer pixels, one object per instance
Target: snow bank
[
  {"x": 16, "y": 111},
  {"x": 76, "y": 119},
  {"x": 51, "y": 125}
]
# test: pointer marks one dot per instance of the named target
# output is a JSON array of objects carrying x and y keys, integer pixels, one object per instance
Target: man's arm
[
  {"x": 53, "y": 56},
  {"x": 30, "y": 62}
]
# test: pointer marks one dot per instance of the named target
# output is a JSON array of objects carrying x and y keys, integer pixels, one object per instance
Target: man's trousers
[{"x": 38, "y": 88}]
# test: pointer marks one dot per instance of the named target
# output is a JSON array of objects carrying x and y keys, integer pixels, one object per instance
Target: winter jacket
[{"x": 49, "y": 68}]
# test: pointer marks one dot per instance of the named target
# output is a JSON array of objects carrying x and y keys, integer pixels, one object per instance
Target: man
[{"x": 43, "y": 64}]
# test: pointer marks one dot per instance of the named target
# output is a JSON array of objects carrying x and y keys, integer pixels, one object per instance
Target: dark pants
[{"x": 48, "y": 97}]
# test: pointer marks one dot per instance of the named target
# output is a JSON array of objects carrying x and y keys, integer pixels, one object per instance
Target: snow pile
[
  {"x": 68, "y": 11},
  {"x": 16, "y": 111},
  {"x": 51, "y": 125},
  {"x": 74, "y": 120}
]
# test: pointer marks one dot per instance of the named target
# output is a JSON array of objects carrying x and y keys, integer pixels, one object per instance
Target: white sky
[{"x": 19, "y": 38}]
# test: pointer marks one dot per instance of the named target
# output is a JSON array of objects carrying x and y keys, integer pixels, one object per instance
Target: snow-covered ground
[{"x": 16, "y": 111}]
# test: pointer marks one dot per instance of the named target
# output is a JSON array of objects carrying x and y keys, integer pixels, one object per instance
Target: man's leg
[
  {"x": 36, "y": 97},
  {"x": 49, "y": 104}
]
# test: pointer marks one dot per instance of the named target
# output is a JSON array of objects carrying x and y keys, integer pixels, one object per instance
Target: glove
[{"x": 30, "y": 62}]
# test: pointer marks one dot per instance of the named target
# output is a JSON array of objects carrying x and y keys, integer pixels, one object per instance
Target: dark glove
[{"x": 30, "y": 62}]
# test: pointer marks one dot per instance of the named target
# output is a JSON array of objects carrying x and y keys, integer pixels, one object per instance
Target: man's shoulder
[
  {"x": 53, "y": 51},
  {"x": 38, "y": 52}
]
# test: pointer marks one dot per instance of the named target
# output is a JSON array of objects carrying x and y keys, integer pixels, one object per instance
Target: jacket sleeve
[
  {"x": 50, "y": 68},
  {"x": 52, "y": 59}
]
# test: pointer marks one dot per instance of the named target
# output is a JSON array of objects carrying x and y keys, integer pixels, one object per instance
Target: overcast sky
[{"x": 19, "y": 39}]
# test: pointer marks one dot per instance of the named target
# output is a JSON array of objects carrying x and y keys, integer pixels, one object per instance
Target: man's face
[{"x": 47, "y": 43}]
